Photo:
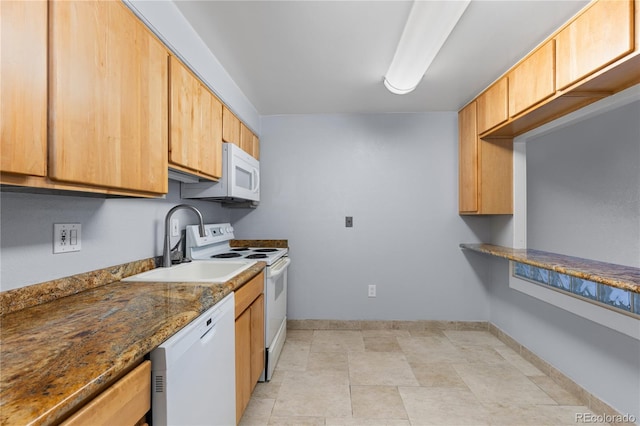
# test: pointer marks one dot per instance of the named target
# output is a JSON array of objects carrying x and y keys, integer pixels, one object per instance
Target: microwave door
[{"x": 244, "y": 180}]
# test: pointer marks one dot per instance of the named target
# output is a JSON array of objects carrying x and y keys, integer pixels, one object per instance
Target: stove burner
[
  {"x": 257, "y": 256},
  {"x": 240, "y": 249},
  {"x": 265, "y": 250},
  {"x": 226, "y": 255}
]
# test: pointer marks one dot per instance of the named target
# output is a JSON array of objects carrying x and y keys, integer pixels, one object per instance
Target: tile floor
[{"x": 401, "y": 377}]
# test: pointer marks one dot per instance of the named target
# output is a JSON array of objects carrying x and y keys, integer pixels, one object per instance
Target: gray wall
[
  {"x": 114, "y": 231},
  {"x": 583, "y": 188},
  {"x": 396, "y": 174},
  {"x": 582, "y": 199}
]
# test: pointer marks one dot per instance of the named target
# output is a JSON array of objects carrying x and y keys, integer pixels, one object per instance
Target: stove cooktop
[{"x": 215, "y": 245}]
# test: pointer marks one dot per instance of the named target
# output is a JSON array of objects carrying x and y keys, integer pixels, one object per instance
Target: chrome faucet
[{"x": 166, "y": 252}]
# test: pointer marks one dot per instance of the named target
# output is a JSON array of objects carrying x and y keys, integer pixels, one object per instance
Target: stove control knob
[
  {"x": 221, "y": 230},
  {"x": 230, "y": 229}
]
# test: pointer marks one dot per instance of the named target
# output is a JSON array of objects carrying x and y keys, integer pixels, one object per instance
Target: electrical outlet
[
  {"x": 372, "y": 290},
  {"x": 175, "y": 227},
  {"x": 67, "y": 237},
  {"x": 348, "y": 221}
]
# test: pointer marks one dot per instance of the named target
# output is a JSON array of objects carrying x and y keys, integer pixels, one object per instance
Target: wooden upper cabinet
[
  {"x": 485, "y": 169},
  {"x": 195, "y": 123},
  {"x": 533, "y": 80},
  {"x": 493, "y": 106},
  {"x": 596, "y": 38},
  {"x": 108, "y": 118},
  {"x": 211, "y": 138},
  {"x": 468, "y": 159},
  {"x": 256, "y": 147},
  {"x": 23, "y": 87},
  {"x": 230, "y": 127},
  {"x": 246, "y": 139}
]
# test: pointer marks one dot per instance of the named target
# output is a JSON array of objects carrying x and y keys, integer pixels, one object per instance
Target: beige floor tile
[
  {"x": 381, "y": 344},
  {"x": 328, "y": 361},
  {"x": 479, "y": 353},
  {"x": 377, "y": 402},
  {"x": 258, "y": 411},
  {"x": 347, "y": 421},
  {"x": 466, "y": 337},
  {"x": 535, "y": 415},
  {"x": 442, "y": 406},
  {"x": 266, "y": 389},
  {"x": 436, "y": 374},
  {"x": 380, "y": 368},
  {"x": 301, "y": 336},
  {"x": 558, "y": 394},
  {"x": 518, "y": 362},
  {"x": 501, "y": 383},
  {"x": 314, "y": 394},
  {"x": 430, "y": 349},
  {"x": 294, "y": 356},
  {"x": 337, "y": 341},
  {"x": 296, "y": 421}
]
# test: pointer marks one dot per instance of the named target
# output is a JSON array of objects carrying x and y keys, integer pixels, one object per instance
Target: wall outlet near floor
[
  {"x": 372, "y": 290},
  {"x": 67, "y": 237}
]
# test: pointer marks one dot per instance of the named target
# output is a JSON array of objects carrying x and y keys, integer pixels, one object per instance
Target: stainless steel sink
[{"x": 209, "y": 271}]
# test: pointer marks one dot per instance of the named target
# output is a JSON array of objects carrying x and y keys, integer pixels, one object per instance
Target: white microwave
[{"x": 240, "y": 180}]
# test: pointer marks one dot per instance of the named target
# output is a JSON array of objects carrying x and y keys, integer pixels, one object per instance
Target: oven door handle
[{"x": 279, "y": 267}]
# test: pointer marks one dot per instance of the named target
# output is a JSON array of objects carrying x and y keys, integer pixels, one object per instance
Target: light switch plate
[{"x": 67, "y": 237}]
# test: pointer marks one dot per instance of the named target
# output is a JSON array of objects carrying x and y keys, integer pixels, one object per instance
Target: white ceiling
[{"x": 303, "y": 56}]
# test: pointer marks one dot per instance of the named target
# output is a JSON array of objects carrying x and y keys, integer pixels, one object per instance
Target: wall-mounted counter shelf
[{"x": 619, "y": 276}]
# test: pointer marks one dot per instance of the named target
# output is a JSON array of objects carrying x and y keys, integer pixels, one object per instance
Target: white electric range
[{"x": 215, "y": 246}]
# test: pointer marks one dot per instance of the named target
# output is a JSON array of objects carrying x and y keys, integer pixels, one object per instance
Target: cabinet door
[
  {"x": 230, "y": 127},
  {"x": 533, "y": 80},
  {"x": 246, "y": 139},
  {"x": 468, "y": 159},
  {"x": 602, "y": 34},
  {"x": 185, "y": 117},
  {"x": 257, "y": 340},
  {"x": 495, "y": 175},
  {"x": 124, "y": 403},
  {"x": 256, "y": 147},
  {"x": 23, "y": 87},
  {"x": 108, "y": 98},
  {"x": 211, "y": 134},
  {"x": 243, "y": 362},
  {"x": 493, "y": 106}
]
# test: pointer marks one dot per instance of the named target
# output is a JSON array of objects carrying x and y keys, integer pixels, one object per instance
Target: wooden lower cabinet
[
  {"x": 125, "y": 403},
  {"x": 249, "y": 340}
]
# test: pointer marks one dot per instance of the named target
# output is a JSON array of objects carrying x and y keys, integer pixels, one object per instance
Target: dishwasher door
[{"x": 193, "y": 372}]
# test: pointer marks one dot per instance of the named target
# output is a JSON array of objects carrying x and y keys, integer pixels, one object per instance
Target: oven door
[{"x": 275, "y": 312}]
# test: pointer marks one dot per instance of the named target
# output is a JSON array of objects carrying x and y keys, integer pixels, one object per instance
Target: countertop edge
[{"x": 619, "y": 276}]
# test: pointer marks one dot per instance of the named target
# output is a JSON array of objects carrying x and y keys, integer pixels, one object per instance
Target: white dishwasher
[{"x": 193, "y": 372}]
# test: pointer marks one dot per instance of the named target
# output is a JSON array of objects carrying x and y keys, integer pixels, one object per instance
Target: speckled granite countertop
[
  {"x": 620, "y": 276},
  {"x": 57, "y": 355}
]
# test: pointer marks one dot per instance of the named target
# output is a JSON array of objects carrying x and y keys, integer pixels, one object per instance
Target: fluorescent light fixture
[{"x": 428, "y": 26}]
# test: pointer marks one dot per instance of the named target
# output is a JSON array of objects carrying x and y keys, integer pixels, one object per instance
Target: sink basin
[{"x": 209, "y": 271}]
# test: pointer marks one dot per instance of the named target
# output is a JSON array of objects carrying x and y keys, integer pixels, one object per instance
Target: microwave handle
[{"x": 256, "y": 179}]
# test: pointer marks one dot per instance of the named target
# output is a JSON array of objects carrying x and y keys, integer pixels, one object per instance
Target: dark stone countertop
[
  {"x": 619, "y": 276},
  {"x": 58, "y": 355}
]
